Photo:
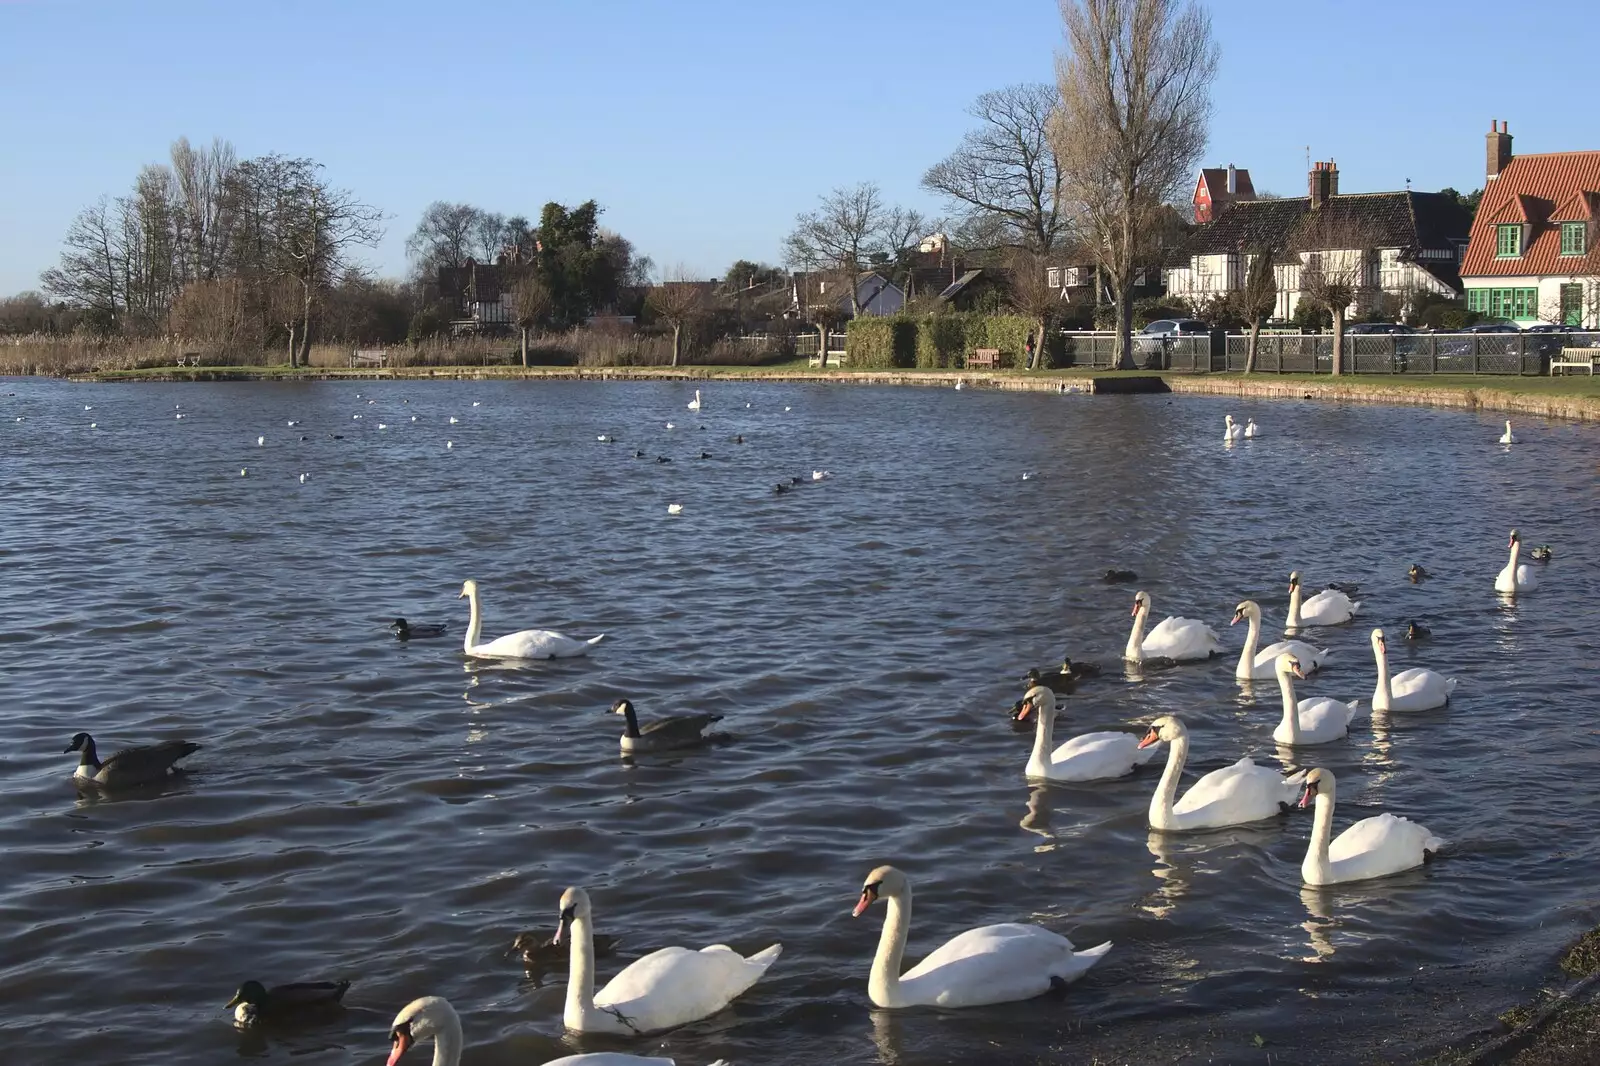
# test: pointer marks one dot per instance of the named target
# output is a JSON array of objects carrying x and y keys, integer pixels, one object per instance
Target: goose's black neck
[
  {"x": 88, "y": 758},
  {"x": 633, "y": 719}
]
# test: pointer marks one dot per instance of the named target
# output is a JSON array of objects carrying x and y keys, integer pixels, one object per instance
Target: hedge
[{"x": 941, "y": 342}]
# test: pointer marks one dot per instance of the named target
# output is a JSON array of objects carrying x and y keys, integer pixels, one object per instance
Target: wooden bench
[
  {"x": 984, "y": 357},
  {"x": 834, "y": 359},
  {"x": 369, "y": 357},
  {"x": 1573, "y": 358}
]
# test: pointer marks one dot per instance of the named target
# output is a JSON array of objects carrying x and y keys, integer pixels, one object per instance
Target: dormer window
[
  {"x": 1574, "y": 238},
  {"x": 1508, "y": 242}
]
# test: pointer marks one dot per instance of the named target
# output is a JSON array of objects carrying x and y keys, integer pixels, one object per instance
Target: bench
[
  {"x": 984, "y": 357},
  {"x": 1573, "y": 358},
  {"x": 369, "y": 357}
]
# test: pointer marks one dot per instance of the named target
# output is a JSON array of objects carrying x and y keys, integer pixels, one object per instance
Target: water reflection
[
  {"x": 1174, "y": 878},
  {"x": 1320, "y": 923},
  {"x": 887, "y": 1036},
  {"x": 1037, "y": 820}
]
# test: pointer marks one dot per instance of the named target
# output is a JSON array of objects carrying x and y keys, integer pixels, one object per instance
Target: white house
[{"x": 1534, "y": 255}]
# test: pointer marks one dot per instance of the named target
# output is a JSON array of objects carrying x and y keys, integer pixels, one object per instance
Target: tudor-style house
[
  {"x": 1533, "y": 256},
  {"x": 1412, "y": 243}
]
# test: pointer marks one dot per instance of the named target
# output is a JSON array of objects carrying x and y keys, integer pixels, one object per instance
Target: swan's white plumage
[
  {"x": 1088, "y": 757},
  {"x": 1514, "y": 578},
  {"x": 694, "y": 404},
  {"x": 1312, "y": 721},
  {"x": 1251, "y": 429},
  {"x": 527, "y": 644},
  {"x": 1507, "y": 437},
  {"x": 1231, "y": 430},
  {"x": 1409, "y": 690},
  {"x": 1179, "y": 639},
  {"x": 1233, "y": 795},
  {"x": 1373, "y": 847},
  {"x": 1330, "y": 607},
  {"x": 1261, "y": 665}
]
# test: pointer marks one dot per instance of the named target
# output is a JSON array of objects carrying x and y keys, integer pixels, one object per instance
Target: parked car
[
  {"x": 1494, "y": 325},
  {"x": 1370, "y": 328},
  {"x": 1548, "y": 338},
  {"x": 1155, "y": 339}
]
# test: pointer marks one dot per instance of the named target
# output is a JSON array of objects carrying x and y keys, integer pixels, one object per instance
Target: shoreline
[{"x": 1538, "y": 397}]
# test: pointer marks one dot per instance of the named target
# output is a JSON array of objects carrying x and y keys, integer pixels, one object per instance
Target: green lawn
[{"x": 1566, "y": 385}]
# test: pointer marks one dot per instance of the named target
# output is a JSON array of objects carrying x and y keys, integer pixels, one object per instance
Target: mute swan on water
[
  {"x": 694, "y": 404},
  {"x": 1373, "y": 847},
  {"x": 1506, "y": 437},
  {"x": 1260, "y": 665},
  {"x": 991, "y": 964},
  {"x": 1233, "y": 795},
  {"x": 527, "y": 644},
  {"x": 1330, "y": 607},
  {"x": 130, "y": 766},
  {"x": 433, "y": 1018},
  {"x": 1179, "y": 639},
  {"x": 1314, "y": 721},
  {"x": 1231, "y": 430},
  {"x": 1088, "y": 757},
  {"x": 1513, "y": 577},
  {"x": 1409, "y": 690},
  {"x": 1251, "y": 429},
  {"x": 663, "y": 990}
]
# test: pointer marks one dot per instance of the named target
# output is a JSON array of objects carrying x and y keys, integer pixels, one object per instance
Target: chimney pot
[{"x": 1498, "y": 149}]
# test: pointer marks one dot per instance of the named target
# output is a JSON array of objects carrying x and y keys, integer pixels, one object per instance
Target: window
[
  {"x": 1572, "y": 304},
  {"x": 1508, "y": 242},
  {"x": 1521, "y": 304},
  {"x": 1052, "y": 277},
  {"x": 1574, "y": 238}
]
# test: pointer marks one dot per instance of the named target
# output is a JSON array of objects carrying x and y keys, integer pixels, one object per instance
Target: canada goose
[
  {"x": 404, "y": 630},
  {"x": 678, "y": 731},
  {"x": 283, "y": 1003},
  {"x": 130, "y": 766}
]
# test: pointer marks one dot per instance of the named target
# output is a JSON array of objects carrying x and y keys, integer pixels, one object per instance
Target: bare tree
[
  {"x": 1006, "y": 173},
  {"x": 900, "y": 235},
  {"x": 1135, "y": 83},
  {"x": 92, "y": 266},
  {"x": 840, "y": 235},
  {"x": 1340, "y": 266},
  {"x": 201, "y": 176},
  {"x": 1032, "y": 296},
  {"x": 446, "y": 236},
  {"x": 488, "y": 236},
  {"x": 533, "y": 308},
  {"x": 679, "y": 301},
  {"x": 1259, "y": 296}
]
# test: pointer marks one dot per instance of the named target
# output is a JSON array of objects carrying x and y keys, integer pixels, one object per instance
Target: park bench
[
  {"x": 984, "y": 357},
  {"x": 834, "y": 359},
  {"x": 1573, "y": 358},
  {"x": 369, "y": 357}
]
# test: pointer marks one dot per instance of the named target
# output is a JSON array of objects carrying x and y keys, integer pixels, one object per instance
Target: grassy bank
[{"x": 1560, "y": 1027}]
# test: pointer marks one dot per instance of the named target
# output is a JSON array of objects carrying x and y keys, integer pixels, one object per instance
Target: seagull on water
[
  {"x": 261, "y": 442},
  {"x": 674, "y": 508}
]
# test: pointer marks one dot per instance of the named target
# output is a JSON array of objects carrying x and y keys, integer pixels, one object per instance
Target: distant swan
[
  {"x": 991, "y": 964},
  {"x": 1506, "y": 437},
  {"x": 1251, "y": 429},
  {"x": 1179, "y": 639},
  {"x": 1314, "y": 721},
  {"x": 663, "y": 990},
  {"x": 1409, "y": 690},
  {"x": 694, "y": 404},
  {"x": 1087, "y": 757},
  {"x": 1373, "y": 847},
  {"x": 527, "y": 644},
  {"x": 1231, "y": 430},
  {"x": 1330, "y": 607},
  {"x": 1233, "y": 795},
  {"x": 1261, "y": 665},
  {"x": 1515, "y": 578}
]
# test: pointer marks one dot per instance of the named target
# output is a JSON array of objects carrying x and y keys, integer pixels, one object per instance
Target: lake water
[{"x": 394, "y": 813}]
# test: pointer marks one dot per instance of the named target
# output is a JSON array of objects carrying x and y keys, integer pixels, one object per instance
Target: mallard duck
[
  {"x": 130, "y": 766},
  {"x": 255, "y": 1003},
  {"x": 404, "y": 630},
  {"x": 541, "y": 953},
  {"x": 1418, "y": 631},
  {"x": 1417, "y": 573},
  {"x": 1542, "y": 553},
  {"x": 1118, "y": 577}
]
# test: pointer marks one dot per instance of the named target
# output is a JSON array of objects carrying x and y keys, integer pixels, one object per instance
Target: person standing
[{"x": 1028, "y": 348}]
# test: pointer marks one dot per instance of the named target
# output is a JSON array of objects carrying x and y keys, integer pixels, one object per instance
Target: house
[
  {"x": 1533, "y": 254},
  {"x": 1219, "y": 188},
  {"x": 476, "y": 300},
  {"x": 1413, "y": 243},
  {"x": 876, "y": 295},
  {"x": 978, "y": 289}
]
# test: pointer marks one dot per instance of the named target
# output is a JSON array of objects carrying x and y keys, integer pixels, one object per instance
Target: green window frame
[
  {"x": 1520, "y": 304},
  {"x": 1574, "y": 238},
  {"x": 1572, "y": 304},
  {"x": 1507, "y": 242}
]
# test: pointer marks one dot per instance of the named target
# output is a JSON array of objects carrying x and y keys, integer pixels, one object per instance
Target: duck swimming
[
  {"x": 404, "y": 630},
  {"x": 1542, "y": 553},
  {"x": 664, "y": 734},
  {"x": 130, "y": 766},
  {"x": 1118, "y": 577},
  {"x": 1418, "y": 631},
  {"x": 253, "y": 1003},
  {"x": 1417, "y": 573}
]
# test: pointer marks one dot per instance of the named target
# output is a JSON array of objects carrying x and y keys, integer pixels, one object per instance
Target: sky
[{"x": 703, "y": 127}]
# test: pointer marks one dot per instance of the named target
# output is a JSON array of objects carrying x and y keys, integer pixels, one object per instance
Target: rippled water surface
[{"x": 395, "y": 813}]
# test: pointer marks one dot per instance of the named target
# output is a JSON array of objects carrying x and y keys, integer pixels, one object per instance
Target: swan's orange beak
[
  {"x": 402, "y": 1044},
  {"x": 1298, "y": 672},
  {"x": 868, "y": 894},
  {"x": 1150, "y": 738},
  {"x": 1024, "y": 708},
  {"x": 1305, "y": 798},
  {"x": 1237, "y": 618},
  {"x": 1135, "y": 608}
]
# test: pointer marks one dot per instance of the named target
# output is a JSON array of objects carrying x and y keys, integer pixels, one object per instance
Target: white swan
[
  {"x": 1409, "y": 690},
  {"x": 663, "y": 990},
  {"x": 991, "y": 964},
  {"x": 1260, "y": 665},
  {"x": 1090, "y": 757},
  {"x": 1230, "y": 430},
  {"x": 1251, "y": 429},
  {"x": 1506, "y": 437},
  {"x": 433, "y": 1018},
  {"x": 1330, "y": 607},
  {"x": 527, "y": 644},
  {"x": 1314, "y": 721},
  {"x": 694, "y": 404},
  {"x": 1179, "y": 639},
  {"x": 1233, "y": 795},
  {"x": 1373, "y": 847},
  {"x": 1515, "y": 578}
]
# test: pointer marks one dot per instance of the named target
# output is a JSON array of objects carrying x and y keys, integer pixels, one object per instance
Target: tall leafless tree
[
  {"x": 1031, "y": 295},
  {"x": 533, "y": 307},
  {"x": 447, "y": 235},
  {"x": 1135, "y": 83},
  {"x": 1259, "y": 295},
  {"x": 841, "y": 234},
  {"x": 1339, "y": 266},
  {"x": 1005, "y": 175},
  {"x": 679, "y": 301}
]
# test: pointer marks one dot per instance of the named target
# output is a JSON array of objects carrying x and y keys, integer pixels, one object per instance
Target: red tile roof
[{"x": 1555, "y": 178}]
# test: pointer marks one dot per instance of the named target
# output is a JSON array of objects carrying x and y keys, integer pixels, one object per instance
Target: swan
[
  {"x": 1179, "y": 639},
  {"x": 1314, "y": 721},
  {"x": 1330, "y": 607},
  {"x": 674, "y": 508},
  {"x": 990, "y": 964},
  {"x": 1373, "y": 847},
  {"x": 820, "y": 475},
  {"x": 1260, "y": 665},
  {"x": 528, "y": 644},
  {"x": 130, "y": 766},
  {"x": 284, "y": 1003},
  {"x": 1514, "y": 578},
  {"x": 1089, "y": 757},
  {"x": 1231, "y": 430},
  {"x": 677, "y": 731},
  {"x": 663, "y": 990},
  {"x": 433, "y": 1018},
  {"x": 694, "y": 404},
  {"x": 1251, "y": 429},
  {"x": 1506, "y": 437},
  {"x": 1233, "y": 795},
  {"x": 1409, "y": 690}
]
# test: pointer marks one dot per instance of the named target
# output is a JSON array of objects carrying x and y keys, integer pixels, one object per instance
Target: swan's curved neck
[
  {"x": 1167, "y": 791},
  {"x": 447, "y": 1041},
  {"x": 1247, "y": 658},
  {"x": 1383, "y": 697},
  {"x": 1291, "y": 710},
  {"x": 1135, "y": 649},
  {"x": 475, "y": 623},
  {"x": 883, "y": 985},
  {"x": 1293, "y": 621},
  {"x": 1318, "y": 868},
  {"x": 580, "y": 978},
  {"x": 1516, "y": 550},
  {"x": 1043, "y": 741}
]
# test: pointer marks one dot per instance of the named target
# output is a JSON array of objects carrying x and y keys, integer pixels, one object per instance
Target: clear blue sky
[{"x": 703, "y": 126}]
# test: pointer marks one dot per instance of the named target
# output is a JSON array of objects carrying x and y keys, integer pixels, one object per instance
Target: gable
[{"x": 1540, "y": 191}]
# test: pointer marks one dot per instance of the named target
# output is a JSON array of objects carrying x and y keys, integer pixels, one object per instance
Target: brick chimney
[
  {"x": 1498, "y": 154},
  {"x": 1324, "y": 183}
]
